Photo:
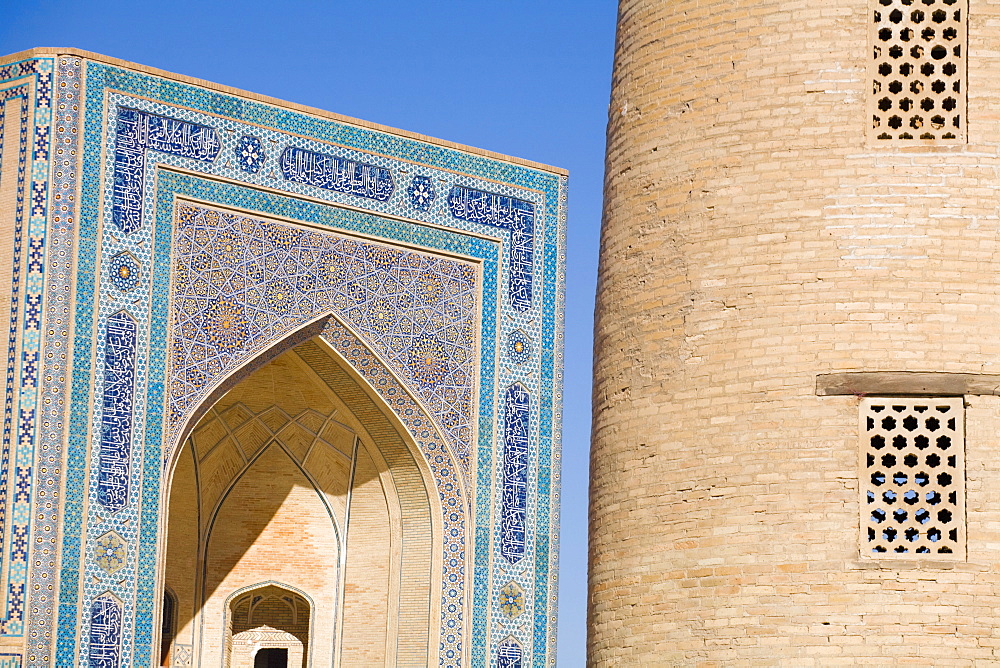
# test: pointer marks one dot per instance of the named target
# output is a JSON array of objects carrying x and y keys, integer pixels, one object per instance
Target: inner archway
[
  {"x": 290, "y": 478},
  {"x": 268, "y": 626}
]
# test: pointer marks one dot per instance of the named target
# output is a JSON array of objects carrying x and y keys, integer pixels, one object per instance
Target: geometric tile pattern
[
  {"x": 511, "y": 600},
  {"x": 111, "y": 551},
  {"x": 419, "y": 195},
  {"x": 26, "y": 93},
  {"x": 60, "y": 242},
  {"x": 250, "y": 154},
  {"x": 182, "y": 655},
  {"x": 242, "y": 282},
  {"x": 518, "y": 347},
  {"x": 124, "y": 271},
  {"x": 445, "y": 468}
]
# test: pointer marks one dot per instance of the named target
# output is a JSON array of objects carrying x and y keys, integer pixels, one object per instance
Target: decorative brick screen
[
  {"x": 918, "y": 70},
  {"x": 912, "y": 478}
]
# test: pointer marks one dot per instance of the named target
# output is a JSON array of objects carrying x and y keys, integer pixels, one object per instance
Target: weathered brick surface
[{"x": 753, "y": 239}]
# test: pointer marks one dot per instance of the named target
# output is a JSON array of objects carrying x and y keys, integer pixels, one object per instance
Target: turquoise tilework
[
  {"x": 172, "y": 184},
  {"x": 26, "y": 93},
  {"x": 452, "y": 494},
  {"x": 255, "y": 164},
  {"x": 60, "y": 245},
  {"x": 413, "y": 309}
]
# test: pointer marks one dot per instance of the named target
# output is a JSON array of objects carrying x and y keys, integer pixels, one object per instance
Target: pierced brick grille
[
  {"x": 918, "y": 70},
  {"x": 912, "y": 478}
]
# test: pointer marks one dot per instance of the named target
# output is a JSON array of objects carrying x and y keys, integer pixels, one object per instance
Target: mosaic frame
[
  {"x": 448, "y": 473},
  {"x": 31, "y": 82},
  {"x": 421, "y": 195}
]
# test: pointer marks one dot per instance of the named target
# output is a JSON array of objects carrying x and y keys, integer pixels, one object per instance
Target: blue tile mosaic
[
  {"x": 421, "y": 193},
  {"x": 191, "y": 233},
  {"x": 243, "y": 282},
  {"x": 124, "y": 271},
  {"x": 509, "y": 213},
  {"x": 337, "y": 174},
  {"x": 137, "y": 132},
  {"x": 105, "y": 633},
  {"x": 58, "y": 251},
  {"x": 114, "y": 462},
  {"x": 250, "y": 154},
  {"x": 323, "y": 173},
  {"x": 514, "y": 472},
  {"x": 509, "y": 654},
  {"x": 25, "y": 123},
  {"x": 518, "y": 347}
]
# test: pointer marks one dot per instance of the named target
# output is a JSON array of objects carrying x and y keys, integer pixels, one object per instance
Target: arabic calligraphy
[
  {"x": 116, "y": 418},
  {"x": 337, "y": 174},
  {"x": 105, "y": 633},
  {"x": 507, "y": 213},
  {"x": 138, "y": 132},
  {"x": 509, "y": 654},
  {"x": 513, "y": 501}
]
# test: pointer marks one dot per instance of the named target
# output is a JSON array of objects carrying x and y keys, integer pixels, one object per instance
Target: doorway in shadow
[{"x": 271, "y": 657}]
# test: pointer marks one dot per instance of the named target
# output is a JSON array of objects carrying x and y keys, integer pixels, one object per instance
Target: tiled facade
[{"x": 166, "y": 232}]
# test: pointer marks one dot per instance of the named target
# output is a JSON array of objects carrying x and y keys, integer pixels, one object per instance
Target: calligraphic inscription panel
[
  {"x": 105, "y": 633},
  {"x": 116, "y": 420}
]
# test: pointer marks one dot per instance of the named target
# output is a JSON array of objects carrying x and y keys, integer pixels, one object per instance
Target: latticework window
[
  {"x": 912, "y": 478},
  {"x": 918, "y": 70}
]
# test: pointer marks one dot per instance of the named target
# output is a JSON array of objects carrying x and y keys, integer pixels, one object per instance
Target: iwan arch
[
  {"x": 280, "y": 461},
  {"x": 283, "y": 388}
]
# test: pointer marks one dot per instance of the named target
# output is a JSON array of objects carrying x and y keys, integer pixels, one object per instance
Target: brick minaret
[{"x": 778, "y": 249}]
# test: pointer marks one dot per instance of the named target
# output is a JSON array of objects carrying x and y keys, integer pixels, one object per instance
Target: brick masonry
[{"x": 754, "y": 238}]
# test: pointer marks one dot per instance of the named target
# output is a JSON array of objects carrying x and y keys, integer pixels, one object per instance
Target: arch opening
[
  {"x": 283, "y": 479},
  {"x": 268, "y": 626}
]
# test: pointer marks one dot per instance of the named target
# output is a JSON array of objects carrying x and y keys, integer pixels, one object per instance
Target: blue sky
[{"x": 529, "y": 79}]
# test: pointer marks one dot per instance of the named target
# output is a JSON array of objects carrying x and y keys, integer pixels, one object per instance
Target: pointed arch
[
  {"x": 386, "y": 453},
  {"x": 263, "y": 630},
  {"x": 214, "y": 514},
  {"x": 233, "y": 377}
]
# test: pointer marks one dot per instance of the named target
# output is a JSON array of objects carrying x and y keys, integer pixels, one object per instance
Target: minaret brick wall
[{"x": 757, "y": 236}]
